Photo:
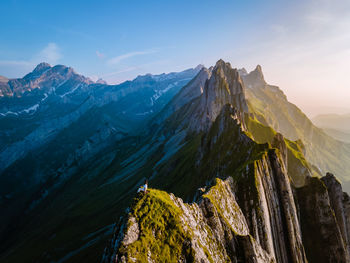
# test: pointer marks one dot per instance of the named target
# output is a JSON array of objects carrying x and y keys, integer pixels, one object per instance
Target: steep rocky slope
[
  {"x": 53, "y": 152},
  {"x": 248, "y": 211},
  {"x": 55, "y": 105},
  {"x": 223, "y": 227},
  {"x": 271, "y": 107}
]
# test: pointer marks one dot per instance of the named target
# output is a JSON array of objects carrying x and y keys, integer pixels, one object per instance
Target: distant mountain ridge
[
  {"x": 44, "y": 78},
  {"x": 61, "y": 121},
  {"x": 333, "y": 121},
  {"x": 271, "y": 107},
  {"x": 339, "y": 135}
]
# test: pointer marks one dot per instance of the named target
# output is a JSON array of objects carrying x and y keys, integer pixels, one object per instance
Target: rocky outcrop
[
  {"x": 339, "y": 202},
  {"x": 189, "y": 92},
  {"x": 322, "y": 232},
  {"x": 4, "y": 87},
  {"x": 223, "y": 87},
  {"x": 249, "y": 216},
  {"x": 253, "y": 213},
  {"x": 254, "y": 79},
  {"x": 270, "y": 209},
  {"x": 270, "y": 105},
  {"x": 45, "y": 78},
  {"x": 212, "y": 230}
]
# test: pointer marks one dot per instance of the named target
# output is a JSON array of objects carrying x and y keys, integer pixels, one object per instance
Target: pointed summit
[
  {"x": 223, "y": 87},
  {"x": 38, "y": 71},
  {"x": 199, "y": 67},
  {"x": 40, "y": 68},
  {"x": 242, "y": 72},
  {"x": 258, "y": 73},
  {"x": 255, "y": 78},
  {"x": 258, "y": 68},
  {"x": 222, "y": 64},
  {"x": 3, "y": 79},
  {"x": 101, "y": 81}
]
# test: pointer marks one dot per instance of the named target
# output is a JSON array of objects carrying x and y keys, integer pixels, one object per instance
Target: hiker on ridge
[{"x": 143, "y": 188}]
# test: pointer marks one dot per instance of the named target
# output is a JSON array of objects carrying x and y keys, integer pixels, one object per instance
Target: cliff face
[
  {"x": 223, "y": 87},
  {"x": 324, "y": 216},
  {"x": 256, "y": 216},
  {"x": 211, "y": 230},
  {"x": 259, "y": 202}
]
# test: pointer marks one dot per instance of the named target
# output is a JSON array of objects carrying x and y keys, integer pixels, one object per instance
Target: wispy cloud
[
  {"x": 118, "y": 59},
  {"x": 15, "y": 63},
  {"x": 51, "y": 53},
  {"x": 119, "y": 72}
]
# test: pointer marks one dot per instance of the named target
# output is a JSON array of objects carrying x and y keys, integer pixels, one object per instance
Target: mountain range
[
  {"x": 235, "y": 169},
  {"x": 337, "y": 126}
]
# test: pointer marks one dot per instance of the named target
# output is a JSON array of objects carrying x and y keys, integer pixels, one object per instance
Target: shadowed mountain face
[
  {"x": 208, "y": 136},
  {"x": 56, "y": 122}
]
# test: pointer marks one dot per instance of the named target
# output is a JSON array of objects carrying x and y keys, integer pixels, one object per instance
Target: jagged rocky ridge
[
  {"x": 58, "y": 132},
  {"x": 251, "y": 208},
  {"x": 270, "y": 106}
]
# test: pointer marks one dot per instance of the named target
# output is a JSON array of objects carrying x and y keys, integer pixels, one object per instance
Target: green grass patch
[{"x": 162, "y": 235}]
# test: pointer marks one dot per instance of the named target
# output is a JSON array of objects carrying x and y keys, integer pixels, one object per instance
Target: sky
[{"x": 303, "y": 46}]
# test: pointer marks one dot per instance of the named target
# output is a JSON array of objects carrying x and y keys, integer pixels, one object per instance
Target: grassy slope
[
  {"x": 161, "y": 227},
  {"x": 297, "y": 165},
  {"x": 272, "y": 108},
  {"x": 226, "y": 153}
]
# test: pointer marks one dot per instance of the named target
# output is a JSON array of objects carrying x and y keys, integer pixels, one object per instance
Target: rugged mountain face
[
  {"x": 249, "y": 209},
  {"x": 57, "y": 124},
  {"x": 271, "y": 107},
  {"x": 4, "y": 87},
  {"x": 223, "y": 87},
  {"x": 64, "y": 99},
  {"x": 220, "y": 227},
  {"x": 44, "y": 79},
  {"x": 241, "y": 191}
]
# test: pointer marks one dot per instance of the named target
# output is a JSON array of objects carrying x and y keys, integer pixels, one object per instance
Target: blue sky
[{"x": 297, "y": 42}]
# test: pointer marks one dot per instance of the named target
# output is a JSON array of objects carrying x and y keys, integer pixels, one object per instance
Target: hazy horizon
[{"x": 303, "y": 47}]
